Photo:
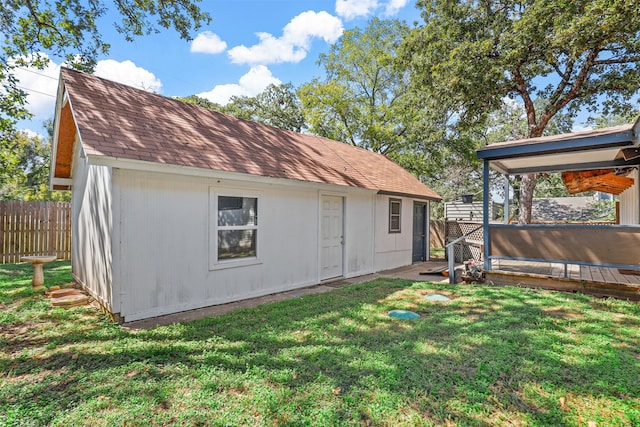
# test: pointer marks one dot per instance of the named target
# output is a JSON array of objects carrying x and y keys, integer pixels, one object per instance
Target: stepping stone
[
  {"x": 404, "y": 314},
  {"x": 437, "y": 297},
  {"x": 73, "y": 300},
  {"x": 63, "y": 292}
]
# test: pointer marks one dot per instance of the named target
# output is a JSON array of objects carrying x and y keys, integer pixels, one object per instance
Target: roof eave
[
  {"x": 536, "y": 148},
  {"x": 605, "y": 164},
  {"x": 411, "y": 196},
  {"x": 61, "y": 98}
]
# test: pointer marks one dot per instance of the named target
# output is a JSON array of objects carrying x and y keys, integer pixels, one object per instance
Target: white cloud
[
  {"x": 250, "y": 84},
  {"x": 394, "y": 6},
  {"x": 208, "y": 42},
  {"x": 294, "y": 43},
  {"x": 311, "y": 24},
  {"x": 32, "y": 133},
  {"x": 350, "y": 9},
  {"x": 41, "y": 87},
  {"x": 270, "y": 50},
  {"x": 128, "y": 73}
]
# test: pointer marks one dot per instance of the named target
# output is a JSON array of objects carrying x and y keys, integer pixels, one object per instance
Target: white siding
[
  {"x": 469, "y": 211},
  {"x": 165, "y": 228},
  {"x": 91, "y": 228},
  {"x": 630, "y": 202},
  {"x": 393, "y": 249}
]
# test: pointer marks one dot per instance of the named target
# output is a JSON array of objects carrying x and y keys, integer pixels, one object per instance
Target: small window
[
  {"x": 395, "y": 208},
  {"x": 237, "y": 227}
]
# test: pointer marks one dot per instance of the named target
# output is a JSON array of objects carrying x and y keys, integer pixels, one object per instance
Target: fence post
[
  {"x": 51, "y": 221},
  {"x": 67, "y": 231}
]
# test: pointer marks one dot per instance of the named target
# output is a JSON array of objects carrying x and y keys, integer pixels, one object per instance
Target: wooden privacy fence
[
  {"x": 34, "y": 228},
  {"x": 436, "y": 235}
]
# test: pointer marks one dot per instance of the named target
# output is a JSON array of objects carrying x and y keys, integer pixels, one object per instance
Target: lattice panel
[{"x": 466, "y": 251}]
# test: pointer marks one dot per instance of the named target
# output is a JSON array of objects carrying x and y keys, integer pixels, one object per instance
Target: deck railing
[
  {"x": 451, "y": 251},
  {"x": 613, "y": 246}
]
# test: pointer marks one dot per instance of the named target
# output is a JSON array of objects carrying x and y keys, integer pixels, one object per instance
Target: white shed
[
  {"x": 176, "y": 207},
  {"x": 460, "y": 211}
]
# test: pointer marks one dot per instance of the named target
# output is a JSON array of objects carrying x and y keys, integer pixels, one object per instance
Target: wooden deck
[
  {"x": 598, "y": 281},
  {"x": 576, "y": 272}
]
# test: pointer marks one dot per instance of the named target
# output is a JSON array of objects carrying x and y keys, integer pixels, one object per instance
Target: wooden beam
[
  {"x": 604, "y": 180},
  {"x": 62, "y": 181}
]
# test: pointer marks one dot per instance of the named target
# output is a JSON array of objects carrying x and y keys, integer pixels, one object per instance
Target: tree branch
[
  {"x": 617, "y": 61},
  {"x": 528, "y": 102},
  {"x": 566, "y": 77},
  {"x": 39, "y": 23},
  {"x": 580, "y": 79},
  {"x": 553, "y": 108}
]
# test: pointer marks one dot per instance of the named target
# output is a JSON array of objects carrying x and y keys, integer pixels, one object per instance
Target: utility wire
[
  {"x": 35, "y": 91},
  {"x": 28, "y": 70}
]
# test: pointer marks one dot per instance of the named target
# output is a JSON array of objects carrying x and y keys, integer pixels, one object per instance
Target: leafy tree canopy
[
  {"x": 277, "y": 106},
  {"x": 572, "y": 55},
  {"x": 614, "y": 119},
  {"x": 24, "y": 168},
  {"x": 363, "y": 100},
  {"x": 360, "y": 99}
]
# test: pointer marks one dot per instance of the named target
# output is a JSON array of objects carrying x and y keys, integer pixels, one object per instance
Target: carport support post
[
  {"x": 485, "y": 214},
  {"x": 506, "y": 199}
]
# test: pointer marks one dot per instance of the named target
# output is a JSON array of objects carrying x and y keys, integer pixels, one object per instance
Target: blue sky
[{"x": 248, "y": 45}]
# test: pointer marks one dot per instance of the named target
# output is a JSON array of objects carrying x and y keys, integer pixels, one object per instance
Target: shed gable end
[{"x": 66, "y": 137}]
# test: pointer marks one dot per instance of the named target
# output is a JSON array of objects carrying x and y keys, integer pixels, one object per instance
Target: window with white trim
[
  {"x": 237, "y": 228},
  {"x": 395, "y": 209}
]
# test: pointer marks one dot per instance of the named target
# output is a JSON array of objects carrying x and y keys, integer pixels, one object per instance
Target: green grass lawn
[
  {"x": 437, "y": 253},
  {"x": 491, "y": 356}
]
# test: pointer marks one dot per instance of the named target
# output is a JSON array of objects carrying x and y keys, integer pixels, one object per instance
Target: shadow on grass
[{"x": 490, "y": 352}]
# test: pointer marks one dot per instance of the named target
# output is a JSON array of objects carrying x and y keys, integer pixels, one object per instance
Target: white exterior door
[{"x": 331, "y": 241}]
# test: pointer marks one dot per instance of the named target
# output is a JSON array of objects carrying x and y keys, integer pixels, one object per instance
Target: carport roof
[{"x": 587, "y": 150}]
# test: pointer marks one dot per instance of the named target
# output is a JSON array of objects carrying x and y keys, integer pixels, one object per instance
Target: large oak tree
[
  {"x": 582, "y": 54},
  {"x": 363, "y": 99}
]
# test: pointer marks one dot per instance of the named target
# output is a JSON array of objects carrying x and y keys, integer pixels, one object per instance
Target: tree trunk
[
  {"x": 527, "y": 186},
  {"x": 528, "y": 183}
]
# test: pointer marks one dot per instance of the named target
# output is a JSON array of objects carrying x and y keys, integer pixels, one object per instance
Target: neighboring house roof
[
  {"x": 121, "y": 122},
  {"x": 561, "y": 209}
]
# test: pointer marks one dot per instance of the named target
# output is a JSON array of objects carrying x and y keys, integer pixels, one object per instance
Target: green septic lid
[
  {"x": 404, "y": 314},
  {"x": 437, "y": 297}
]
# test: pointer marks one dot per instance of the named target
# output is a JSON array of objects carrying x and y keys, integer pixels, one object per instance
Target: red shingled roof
[{"x": 122, "y": 122}]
